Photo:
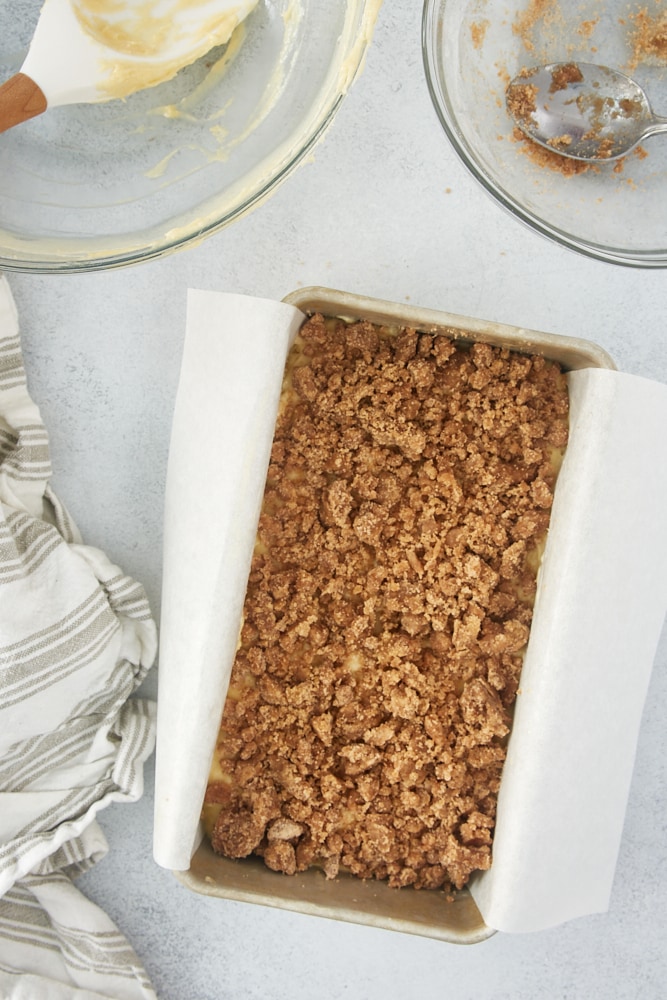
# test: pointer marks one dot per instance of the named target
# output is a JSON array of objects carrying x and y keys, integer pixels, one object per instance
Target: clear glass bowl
[
  {"x": 101, "y": 185},
  {"x": 472, "y": 48}
]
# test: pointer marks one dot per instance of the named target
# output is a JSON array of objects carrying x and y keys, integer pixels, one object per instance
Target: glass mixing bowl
[
  {"x": 472, "y": 48},
  {"x": 101, "y": 185}
]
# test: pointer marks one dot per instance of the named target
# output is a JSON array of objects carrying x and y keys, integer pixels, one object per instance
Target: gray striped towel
[{"x": 76, "y": 639}]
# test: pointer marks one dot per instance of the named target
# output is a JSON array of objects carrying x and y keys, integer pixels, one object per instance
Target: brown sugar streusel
[{"x": 388, "y": 605}]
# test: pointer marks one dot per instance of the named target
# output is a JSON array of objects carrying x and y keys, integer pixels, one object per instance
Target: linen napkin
[{"x": 76, "y": 639}]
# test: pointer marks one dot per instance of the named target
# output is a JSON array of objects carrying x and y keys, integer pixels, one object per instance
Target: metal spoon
[{"x": 582, "y": 111}]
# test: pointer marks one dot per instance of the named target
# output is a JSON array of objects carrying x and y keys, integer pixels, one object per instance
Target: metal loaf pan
[{"x": 348, "y": 898}]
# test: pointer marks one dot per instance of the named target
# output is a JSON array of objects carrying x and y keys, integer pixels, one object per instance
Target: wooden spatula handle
[{"x": 20, "y": 99}]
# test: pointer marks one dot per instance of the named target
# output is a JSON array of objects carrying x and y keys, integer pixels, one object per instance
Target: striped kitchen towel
[{"x": 76, "y": 640}]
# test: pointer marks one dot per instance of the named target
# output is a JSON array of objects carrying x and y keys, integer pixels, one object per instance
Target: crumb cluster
[
  {"x": 550, "y": 158},
  {"x": 564, "y": 75},
  {"x": 388, "y": 605},
  {"x": 520, "y": 100},
  {"x": 648, "y": 39}
]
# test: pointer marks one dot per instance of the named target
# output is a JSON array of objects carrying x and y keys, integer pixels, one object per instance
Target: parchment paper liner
[{"x": 602, "y": 595}]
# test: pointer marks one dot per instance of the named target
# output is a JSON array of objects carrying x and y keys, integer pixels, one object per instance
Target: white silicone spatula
[{"x": 87, "y": 51}]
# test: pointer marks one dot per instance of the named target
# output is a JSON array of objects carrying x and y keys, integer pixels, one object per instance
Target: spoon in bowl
[
  {"x": 583, "y": 111},
  {"x": 86, "y": 51}
]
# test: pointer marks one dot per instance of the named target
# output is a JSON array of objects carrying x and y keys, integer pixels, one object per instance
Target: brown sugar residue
[
  {"x": 388, "y": 605},
  {"x": 605, "y": 148},
  {"x": 648, "y": 39},
  {"x": 551, "y": 160},
  {"x": 638, "y": 152},
  {"x": 563, "y": 75},
  {"x": 631, "y": 107},
  {"x": 586, "y": 28},
  {"x": 566, "y": 165},
  {"x": 503, "y": 73},
  {"x": 537, "y": 14},
  {"x": 478, "y": 31},
  {"x": 560, "y": 142},
  {"x": 521, "y": 102}
]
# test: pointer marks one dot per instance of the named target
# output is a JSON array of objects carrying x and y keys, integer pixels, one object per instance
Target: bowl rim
[
  {"x": 639, "y": 259},
  {"x": 153, "y": 249},
  {"x": 74, "y": 256}
]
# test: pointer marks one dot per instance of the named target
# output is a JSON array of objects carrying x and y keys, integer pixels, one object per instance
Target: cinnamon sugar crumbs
[
  {"x": 520, "y": 100},
  {"x": 388, "y": 606},
  {"x": 478, "y": 31},
  {"x": 536, "y": 14},
  {"x": 551, "y": 159},
  {"x": 586, "y": 28},
  {"x": 563, "y": 75},
  {"x": 560, "y": 142},
  {"x": 648, "y": 39}
]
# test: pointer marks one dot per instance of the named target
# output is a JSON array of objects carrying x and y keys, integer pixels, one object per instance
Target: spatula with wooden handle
[{"x": 86, "y": 52}]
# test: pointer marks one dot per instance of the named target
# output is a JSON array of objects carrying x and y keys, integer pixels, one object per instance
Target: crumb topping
[{"x": 388, "y": 605}]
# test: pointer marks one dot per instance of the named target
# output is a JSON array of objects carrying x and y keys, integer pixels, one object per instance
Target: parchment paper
[
  {"x": 602, "y": 596},
  {"x": 226, "y": 407}
]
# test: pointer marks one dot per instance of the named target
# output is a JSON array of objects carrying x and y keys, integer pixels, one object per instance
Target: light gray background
[{"x": 383, "y": 208}]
